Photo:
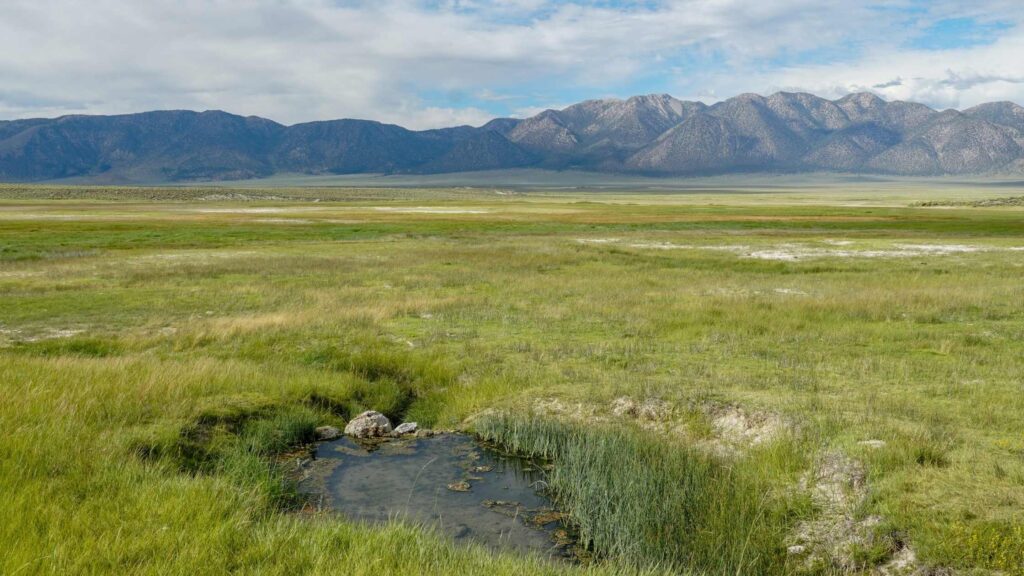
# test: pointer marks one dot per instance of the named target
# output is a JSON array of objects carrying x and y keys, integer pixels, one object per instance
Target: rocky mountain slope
[{"x": 653, "y": 134}]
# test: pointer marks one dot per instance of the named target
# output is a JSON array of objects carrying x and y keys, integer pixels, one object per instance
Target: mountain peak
[
  {"x": 649, "y": 133},
  {"x": 863, "y": 99},
  {"x": 748, "y": 97},
  {"x": 1003, "y": 108},
  {"x": 651, "y": 98}
]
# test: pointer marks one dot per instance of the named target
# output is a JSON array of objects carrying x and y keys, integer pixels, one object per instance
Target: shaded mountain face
[
  {"x": 767, "y": 139},
  {"x": 632, "y": 123},
  {"x": 851, "y": 147},
  {"x": 950, "y": 143},
  {"x": 702, "y": 143},
  {"x": 1005, "y": 114},
  {"x": 600, "y": 134},
  {"x": 487, "y": 150},
  {"x": 152, "y": 146},
  {"x": 544, "y": 134},
  {"x": 654, "y": 134},
  {"x": 352, "y": 146}
]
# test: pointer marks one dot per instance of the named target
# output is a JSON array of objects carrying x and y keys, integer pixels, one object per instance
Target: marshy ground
[
  {"x": 766, "y": 382},
  {"x": 450, "y": 482}
]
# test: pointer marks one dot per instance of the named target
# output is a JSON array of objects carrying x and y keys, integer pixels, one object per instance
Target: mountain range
[{"x": 652, "y": 135}]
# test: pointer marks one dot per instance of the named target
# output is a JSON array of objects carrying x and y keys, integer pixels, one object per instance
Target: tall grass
[{"x": 648, "y": 503}]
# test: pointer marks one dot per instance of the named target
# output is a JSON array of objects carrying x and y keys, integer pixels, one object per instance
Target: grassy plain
[{"x": 160, "y": 348}]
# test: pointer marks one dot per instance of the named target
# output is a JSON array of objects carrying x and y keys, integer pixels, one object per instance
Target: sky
[{"x": 432, "y": 63}]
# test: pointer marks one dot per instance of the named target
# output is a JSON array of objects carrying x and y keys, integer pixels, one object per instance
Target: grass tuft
[{"x": 647, "y": 503}]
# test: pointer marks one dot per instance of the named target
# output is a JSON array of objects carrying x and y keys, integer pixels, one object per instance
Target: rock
[
  {"x": 796, "y": 550},
  {"x": 369, "y": 424},
  {"x": 327, "y": 432},
  {"x": 544, "y": 517},
  {"x": 460, "y": 486},
  {"x": 406, "y": 428},
  {"x": 562, "y": 538}
]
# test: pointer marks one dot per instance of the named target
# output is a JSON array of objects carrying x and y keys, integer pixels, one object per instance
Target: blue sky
[
  {"x": 429, "y": 63},
  {"x": 965, "y": 32}
]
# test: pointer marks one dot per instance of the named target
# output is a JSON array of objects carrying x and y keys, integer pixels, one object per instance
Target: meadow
[{"x": 781, "y": 381}]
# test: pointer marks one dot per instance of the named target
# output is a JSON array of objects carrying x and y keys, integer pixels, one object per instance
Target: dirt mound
[{"x": 834, "y": 538}]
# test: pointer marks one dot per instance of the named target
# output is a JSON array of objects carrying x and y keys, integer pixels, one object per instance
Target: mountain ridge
[{"x": 652, "y": 134}]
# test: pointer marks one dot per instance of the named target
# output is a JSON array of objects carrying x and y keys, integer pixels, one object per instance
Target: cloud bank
[{"x": 436, "y": 63}]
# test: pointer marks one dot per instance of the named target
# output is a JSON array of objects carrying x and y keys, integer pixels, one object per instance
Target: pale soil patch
[
  {"x": 798, "y": 252},
  {"x": 192, "y": 256},
  {"x": 837, "y": 486},
  {"x": 873, "y": 444},
  {"x": 20, "y": 273},
  {"x": 283, "y": 221},
  {"x": 69, "y": 217},
  {"x": 651, "y": 409},
  {"x": 269, "y": 210},
  {"x": 739, "y": 427},
  {"x": 62, "y": 333},
  {"x": 572, "y": 410},
  {"x": 734, "y": 429},
  {"x": 251, "y": 323},
  {"x": 774, "y": 255},
  {"x": 730, "y": 292},
  {"x": 794, "y": 252},
  {"x": 902, "y": 563},
  {"x": 426, "y": 210},
  {"x": 239, "y": 196},
  {"x": 17, "y": 335},
  {"x": 942, "y": 248},
  {"x": 838, "y": 489},
  {"x": 671, "y": 246}
]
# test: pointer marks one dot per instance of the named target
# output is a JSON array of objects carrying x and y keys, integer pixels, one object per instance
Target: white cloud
[
  {"x": 957, "y": 78},
  {"x": 299, "y": 60},
  {"x": 435, "y": 117},
  {"x": 528, "y": 111}
]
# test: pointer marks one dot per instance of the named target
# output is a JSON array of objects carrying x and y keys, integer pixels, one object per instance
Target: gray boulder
[
  {"x": 369, "y": 424},
  {"x": 406, "y": 428}
]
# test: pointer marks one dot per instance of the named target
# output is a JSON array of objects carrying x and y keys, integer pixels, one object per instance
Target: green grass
[
  {"x": 157, "y": 358},
  {"x": 651, "y": 504}
]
